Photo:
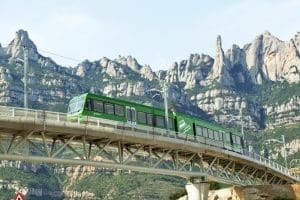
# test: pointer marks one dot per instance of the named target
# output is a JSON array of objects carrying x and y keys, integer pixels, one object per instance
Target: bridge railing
[{"x": 91, "y": 121}]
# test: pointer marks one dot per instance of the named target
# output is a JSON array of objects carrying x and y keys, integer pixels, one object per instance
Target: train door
[
  {"x": 231, "y": 139},
  {"x": 131, "y": 115},
  {"x": 194, "y": 130},
  {"x": 222, "y": 137},
  {"x": 242, "y": 143},
  {"x": 175, "y": 124}
]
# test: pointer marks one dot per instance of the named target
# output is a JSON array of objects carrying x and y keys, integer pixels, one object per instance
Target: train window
[
  {"x": 217, "y": 135},
  {"x": 237, "y": 140},
  {"x": 75, "y": 105},
  {"x": 210, "y": 133},
  {"x": 119, "y": 110},
  {"x": 160, "y": 121},
  {"x": 170, "y": 123},
  {"x": 97, "y": 106},
  {"x": 109, "y": 108},
  {"x": 89, "y": 105},
  {"x": 133, "y": 114},
  {"x": 142, "y": 117},
  {"x": 199, "y": 130},
  {"x": 128, "y": 114},
  {"x": 227, "y": 137},
  {"x": 221, "y": 134},
  {"x": 149, "y": 119},
  {"x": 204, "y": 131},
  {"x": 234, "y": 139}
]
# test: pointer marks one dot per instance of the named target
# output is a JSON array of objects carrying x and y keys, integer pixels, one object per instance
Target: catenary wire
[{"x": 46, "y": 51}]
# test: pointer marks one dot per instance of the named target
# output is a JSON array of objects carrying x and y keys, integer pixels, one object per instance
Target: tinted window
[
  {"x": 221, "y": 134},
  {"x": 227, "y": 137},
  {"x": 119, "y": 110},
  {"x": 89, "y": 105},
  {"x": 211, "y": 134},
  {"x": 160, "y": 121},
  {"x": 142, "y": 117},
  {"x": 199, "y": 130},
  {"x": 237, "y": 139},
  {"x": 133, "y": 114},
  {"x": 234, "y": 139},
  {"x": 149, "y": 119},
  {"x": 170, "y": 123},
  {"x": 216, "y": 135},
  {"x": 128, "y": 114},
  {"x": 109, "y": 108},
  {"x": 97, "y": 106},
  {"x": 204, "y": 131}
]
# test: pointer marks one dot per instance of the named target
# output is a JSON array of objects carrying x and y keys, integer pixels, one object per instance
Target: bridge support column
[{"x": 197, "y": 188}]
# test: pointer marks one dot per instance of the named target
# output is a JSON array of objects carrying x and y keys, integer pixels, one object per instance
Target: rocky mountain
[{"x": 214, "y": 88}]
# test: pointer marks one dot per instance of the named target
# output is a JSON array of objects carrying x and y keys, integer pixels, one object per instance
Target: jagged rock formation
[
  {"x": 221, "y": 67},
  {"x": 220, "y": 87},
  {"x": 16, "y": 47},
  {"x": 271, "y": 59},
  {"x": 191, "y": 72}
]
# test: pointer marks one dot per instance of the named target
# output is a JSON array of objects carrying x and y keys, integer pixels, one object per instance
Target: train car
[
  {"x": 185, "y": 126},
  {"x": 209, "y": 133},
  {"x": 217, "y": 135},
  {"x": 90, "y": 105}
]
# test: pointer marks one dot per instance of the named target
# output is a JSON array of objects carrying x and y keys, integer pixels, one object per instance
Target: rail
[{"x": 13, "y": 112}]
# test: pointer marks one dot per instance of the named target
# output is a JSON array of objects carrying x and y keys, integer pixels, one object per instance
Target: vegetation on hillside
[
  {"x": 130, "y": 186},
  {"x": 291, "y": 132},
  {"x": 43, "y": 178}
]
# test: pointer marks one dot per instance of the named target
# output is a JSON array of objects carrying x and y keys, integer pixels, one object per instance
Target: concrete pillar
[{"x": 197, "y": 189}]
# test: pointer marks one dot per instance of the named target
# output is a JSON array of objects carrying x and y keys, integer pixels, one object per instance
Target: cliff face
[{"x": 253, "y": 78}]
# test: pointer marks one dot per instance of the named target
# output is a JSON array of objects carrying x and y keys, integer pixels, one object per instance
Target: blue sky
[{"x": 155, "y": 32}]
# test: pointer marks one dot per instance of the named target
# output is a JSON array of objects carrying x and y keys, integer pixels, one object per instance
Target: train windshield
[{"x": 75, "y": 105}]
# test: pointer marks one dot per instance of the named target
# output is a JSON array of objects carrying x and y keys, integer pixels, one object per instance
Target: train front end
[{"x": 76, "y": 107}]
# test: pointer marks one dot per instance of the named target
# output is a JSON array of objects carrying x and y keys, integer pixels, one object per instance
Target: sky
[{"x": 155, "y": 32}]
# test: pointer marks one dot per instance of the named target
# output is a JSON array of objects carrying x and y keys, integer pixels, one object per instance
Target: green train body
[{"x": 91, "y": 105}]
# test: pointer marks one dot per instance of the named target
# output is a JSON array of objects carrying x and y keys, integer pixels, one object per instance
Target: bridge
[{"x": 47, "y": 137}]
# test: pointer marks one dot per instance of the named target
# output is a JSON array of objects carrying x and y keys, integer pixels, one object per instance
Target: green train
[{"x": 184, "y": 126}]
